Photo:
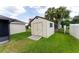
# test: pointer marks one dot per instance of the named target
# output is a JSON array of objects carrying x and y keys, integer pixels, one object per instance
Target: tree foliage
[
  {"x": 66, "y": 22},
  {"x": 75, "y": 19},
  {"x": 56, "y": 14}
]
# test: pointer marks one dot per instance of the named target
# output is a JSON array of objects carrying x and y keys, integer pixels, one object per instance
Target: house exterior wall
[
  {"x": 74, "y": 30},
  {"x": 17, "y": 28},
  {"x": 46, "y": 30}
]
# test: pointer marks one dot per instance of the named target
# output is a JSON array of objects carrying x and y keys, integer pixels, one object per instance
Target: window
[{"x": 51, "y": 25}]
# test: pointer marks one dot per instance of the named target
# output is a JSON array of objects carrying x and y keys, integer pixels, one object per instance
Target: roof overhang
[
  {"x": 10, "y": 19},
  {"x": 6, "y": 18}
]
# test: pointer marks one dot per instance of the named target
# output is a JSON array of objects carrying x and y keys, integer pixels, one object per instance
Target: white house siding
[
  {"x": 17, "y": 28},
  {"x": 74, "y": 30}
]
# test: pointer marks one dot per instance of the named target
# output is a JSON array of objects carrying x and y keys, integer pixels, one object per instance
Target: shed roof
[
  {"x": 35, "y": 18},
  {"x": 18, "y": 21}
]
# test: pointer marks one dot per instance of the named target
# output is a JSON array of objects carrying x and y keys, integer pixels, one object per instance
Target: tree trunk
[{"x": 56, "y": 25}]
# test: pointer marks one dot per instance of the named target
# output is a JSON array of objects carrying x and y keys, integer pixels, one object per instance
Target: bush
[{"x": 66, "y": 22}]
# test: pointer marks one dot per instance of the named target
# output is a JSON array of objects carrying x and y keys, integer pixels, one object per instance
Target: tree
[
  {"x": 50, "y": 14},
  {"x": 62, "y": 12},
  {"x": 57, "y": 14},
  {"x": 75, "y": 19},
  {"x": 66, "y": 22}
]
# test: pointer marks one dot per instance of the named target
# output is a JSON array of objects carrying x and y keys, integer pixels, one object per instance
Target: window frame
[{"x": 51, "y": 25}]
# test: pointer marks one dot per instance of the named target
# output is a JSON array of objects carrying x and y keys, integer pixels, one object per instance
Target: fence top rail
[{"x": 74, "y": 24}]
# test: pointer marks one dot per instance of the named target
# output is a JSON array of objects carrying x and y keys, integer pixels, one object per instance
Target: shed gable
[{"x": 38, "y": 20}]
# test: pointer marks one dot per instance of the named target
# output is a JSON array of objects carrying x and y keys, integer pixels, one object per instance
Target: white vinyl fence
[{"x": 74, "y": 30}]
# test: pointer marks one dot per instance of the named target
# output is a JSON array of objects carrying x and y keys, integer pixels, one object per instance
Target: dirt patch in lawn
[{"x": 15, "y": 46}]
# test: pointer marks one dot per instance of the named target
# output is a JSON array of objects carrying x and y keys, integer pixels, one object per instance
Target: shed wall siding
[
  {"x": 16, "y": 28},
  {"x": 44, "y": 26},
  {"x": 46, "y": 30},
  {"x": 50, "y": 30}
]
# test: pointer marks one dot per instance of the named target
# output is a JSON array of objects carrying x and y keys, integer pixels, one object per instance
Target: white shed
[
  {"x": 17, "y": 27},
  {"x": 42, "y": 27}
]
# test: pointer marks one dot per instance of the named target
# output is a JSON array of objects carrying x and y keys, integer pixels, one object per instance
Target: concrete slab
[{"x": 34, "y": 37}]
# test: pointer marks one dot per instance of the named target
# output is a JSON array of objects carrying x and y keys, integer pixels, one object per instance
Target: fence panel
[{"x": 74, "y": 30}]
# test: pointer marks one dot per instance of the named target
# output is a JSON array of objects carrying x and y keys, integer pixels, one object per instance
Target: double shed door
[{"x": 38, "y": 28}]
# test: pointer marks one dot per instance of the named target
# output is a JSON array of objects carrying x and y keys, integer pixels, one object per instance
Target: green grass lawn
[
  {"x": 57, "y": 43},
  {"x": 17, "y": 43}
]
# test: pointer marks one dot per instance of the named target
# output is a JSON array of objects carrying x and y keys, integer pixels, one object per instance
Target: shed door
[
  {"x": 37, "y": 28},
  {"x": 40, "y": 28}
]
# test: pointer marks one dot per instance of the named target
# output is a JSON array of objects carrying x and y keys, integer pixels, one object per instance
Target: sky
[{"x": 25, "y": 9}]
